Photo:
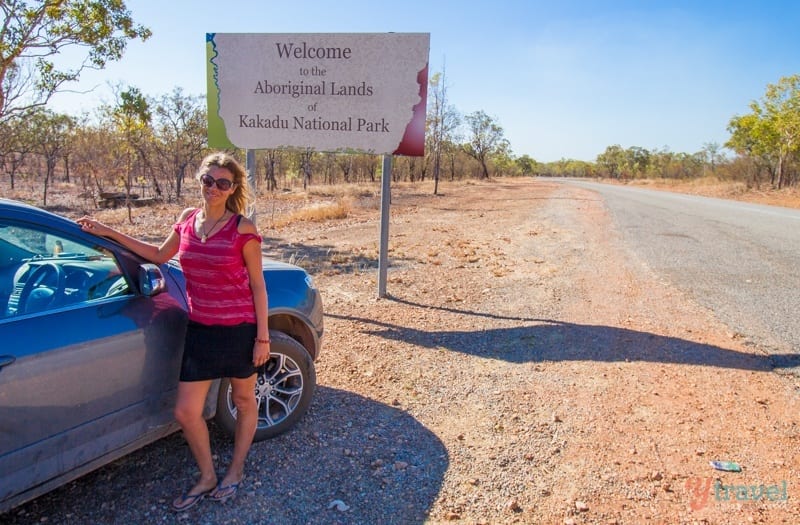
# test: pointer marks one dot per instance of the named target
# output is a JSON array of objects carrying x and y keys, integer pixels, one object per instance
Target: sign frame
[{"x": 356, "y": 92}]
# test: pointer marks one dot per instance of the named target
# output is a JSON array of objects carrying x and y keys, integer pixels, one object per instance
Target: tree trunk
[
  {"x": 44, "y": 194},
  {"x": 66, "y": 169},
  {"x": 436, "y": 161},
  {"x": 306, "y": 169},
  {"x": 179, "y": 181},
  {"x": 50, "y": 164},
  {"x": 272, "y": 184},
  {"x": 485, "y": 169}
]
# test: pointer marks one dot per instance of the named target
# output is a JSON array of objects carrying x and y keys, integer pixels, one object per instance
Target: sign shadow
[{"x": 539, "y": 340}]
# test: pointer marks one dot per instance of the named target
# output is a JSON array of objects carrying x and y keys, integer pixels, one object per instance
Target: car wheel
[{"x": 284, "y": 388}]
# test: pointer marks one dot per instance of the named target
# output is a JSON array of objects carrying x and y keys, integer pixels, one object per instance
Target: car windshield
[{"x": 40, "y": 245}]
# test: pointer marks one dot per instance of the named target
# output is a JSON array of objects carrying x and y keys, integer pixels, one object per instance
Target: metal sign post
[
  {"x": 386, "y": 199},
  {"x": 250, "y": 165}
]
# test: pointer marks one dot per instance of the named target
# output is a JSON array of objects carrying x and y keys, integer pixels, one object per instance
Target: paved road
[{"x": 740, "y": 260}]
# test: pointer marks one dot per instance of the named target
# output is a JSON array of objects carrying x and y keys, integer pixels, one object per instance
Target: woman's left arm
[{"x": 252, "y": 260}]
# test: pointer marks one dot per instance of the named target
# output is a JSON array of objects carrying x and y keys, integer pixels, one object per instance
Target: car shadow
[
  {"x": 376, "y": 459},
  {"x": 348, "y": 452},
  {"x": 538, "y": 340}
]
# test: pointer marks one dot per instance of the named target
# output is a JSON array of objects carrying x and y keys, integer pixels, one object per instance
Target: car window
[
  {"x": 40, "y": 242},
  {"x": 40, "y": 271}
]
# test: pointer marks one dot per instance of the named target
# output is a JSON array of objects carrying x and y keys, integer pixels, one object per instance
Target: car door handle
[{"x": 6, "y": 360}]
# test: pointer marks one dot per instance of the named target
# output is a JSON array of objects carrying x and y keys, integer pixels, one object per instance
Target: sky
[{"x": 564, "y": 79}]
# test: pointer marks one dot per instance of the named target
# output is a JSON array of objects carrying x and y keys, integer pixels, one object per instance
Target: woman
[{"x": 227, "y": 333}]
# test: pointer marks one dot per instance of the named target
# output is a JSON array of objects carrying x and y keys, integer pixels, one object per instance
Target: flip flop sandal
[
  {"x": 223, "y": 494},
  {"x": 188, "y": 501}
]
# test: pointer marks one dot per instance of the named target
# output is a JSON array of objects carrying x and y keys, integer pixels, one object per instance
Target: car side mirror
[{"x": 151, "y": 280}]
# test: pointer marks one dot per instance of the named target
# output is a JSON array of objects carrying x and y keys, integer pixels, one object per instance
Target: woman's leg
[
  {"x": 189, "y": 413},
  {"x": 246, "y": 422}
]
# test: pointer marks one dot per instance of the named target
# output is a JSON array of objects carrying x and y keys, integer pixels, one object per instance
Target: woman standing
[{"x": 227, "y": 334}]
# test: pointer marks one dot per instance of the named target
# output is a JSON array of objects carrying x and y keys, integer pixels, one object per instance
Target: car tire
[{"x": 284, "y": 389}]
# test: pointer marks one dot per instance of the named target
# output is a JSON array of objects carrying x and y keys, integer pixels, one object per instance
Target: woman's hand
[
  {"x": 94, "y": 227},
  {"x": 261, "y": 352}
]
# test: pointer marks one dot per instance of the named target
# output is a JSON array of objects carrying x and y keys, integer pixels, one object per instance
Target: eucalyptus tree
[
  {"x": 486, "y": 139},
  {"x": 781, "y": 108},
  {"x": 453, "y": 151},
  {"x": 50, "y": 136},
  {"x": 526, "y": 165},
  {"x": 712, "y": 153},
  {"x": 612, "y": 160},
  {"x": 272, "y": 161},
  {"x": 181, "y": 135},
  {"x": 688, "y": 165},
  {"x": 771, "y": 131},
  {"x": 17, "y": 142},
  {"x": 368, "y": 166},
  {"x": 132, "y": 117},
  {"x": 637, "y": 160},
  {"x": 305, "y": 160},
  {"x": 503, "y": 162},
  {"x": 345, "y": 164},
  {"x": 34, "y": 32},
  {"x": 96, "y": 158},
  {"x": 753, "y": 137},
  {"x": 443, "y": 120}
]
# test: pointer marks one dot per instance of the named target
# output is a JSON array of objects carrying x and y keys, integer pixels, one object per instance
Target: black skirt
[{"x": 212, "y": 352}]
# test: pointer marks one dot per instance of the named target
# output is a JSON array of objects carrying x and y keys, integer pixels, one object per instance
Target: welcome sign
[{"x": 328, "y": 92}]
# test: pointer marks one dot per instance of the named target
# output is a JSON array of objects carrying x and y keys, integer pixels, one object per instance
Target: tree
[
  {"x": 771, "y": 131},
  {"x": 51, "y": 133},
  {"x": 345, "y": 164},
  {"x": 132, "y": 118},
  {"x": 443, "y": 119},
  {"x": 712, "y": 154},
  {"x": 752, "y": 137},
  {"x": 17, "y": 136},
  {"x": 272, "y": 159},
  {"x": 368, "y": 166},
  {"x": 486, "y": 139},
  {"x": 180, "y": 127},
  {"x": 637, "y": 160},
  {"x": 526, "y": 164},
  {"x": 690, "y": 165},
  {"x": 96, "y": 158},
  {"x": 34, "y": 32},
  {"x": 612, "y": 159},
  {"x": 781, "y": 108},
  {"x": 661, "y": 162},
  {"x": 306, "y": 167}
]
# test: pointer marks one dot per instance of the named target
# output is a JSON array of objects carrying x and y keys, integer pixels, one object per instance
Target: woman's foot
[
  {"x": 227, "y": 489},
  {"x": 193, "y": 497}
]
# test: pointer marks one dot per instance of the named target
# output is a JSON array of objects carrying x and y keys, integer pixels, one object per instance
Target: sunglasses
[{"x": 223, "y": 184}]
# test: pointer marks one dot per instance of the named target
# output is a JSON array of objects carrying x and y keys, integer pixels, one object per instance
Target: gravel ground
[{"x": 525, "y": 369}]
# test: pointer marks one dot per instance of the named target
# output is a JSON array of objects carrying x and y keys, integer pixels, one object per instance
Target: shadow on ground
[
  {"x": 551, "y": 340},
  {"x": 376, "y": 459}
]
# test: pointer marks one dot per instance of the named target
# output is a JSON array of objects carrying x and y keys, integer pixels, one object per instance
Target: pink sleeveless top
[{"x": 217, "y": 283}]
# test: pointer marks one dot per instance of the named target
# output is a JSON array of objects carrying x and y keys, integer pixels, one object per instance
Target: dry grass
[
  {"x": 352, "y": 191},
  {"x": 734, "y": 190},
  {"x": 316, "y": 212}
]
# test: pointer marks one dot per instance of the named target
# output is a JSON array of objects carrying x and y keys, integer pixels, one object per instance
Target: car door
[{"x": 88, "y": 365}]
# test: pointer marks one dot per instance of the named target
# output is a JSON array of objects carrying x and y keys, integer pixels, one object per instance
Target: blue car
[{"x": 91, "y": 337}]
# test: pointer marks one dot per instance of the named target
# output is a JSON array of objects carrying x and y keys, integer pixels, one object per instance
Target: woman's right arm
[{"x": 151, "y": 252}]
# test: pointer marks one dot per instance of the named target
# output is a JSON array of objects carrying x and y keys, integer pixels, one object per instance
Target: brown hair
[{"x": 242, "y": 197}]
